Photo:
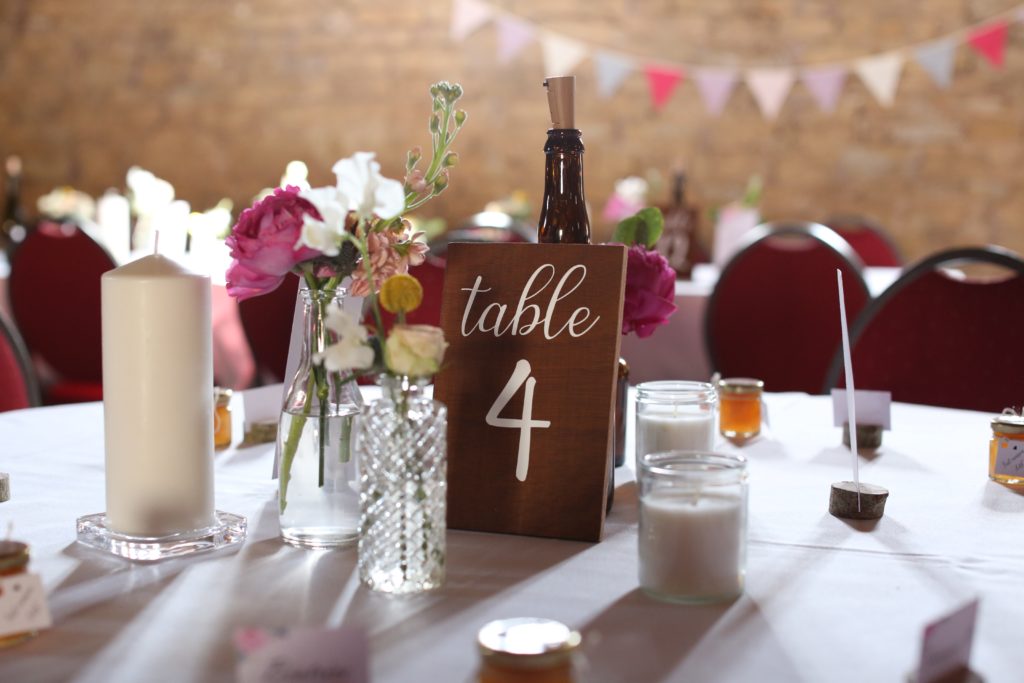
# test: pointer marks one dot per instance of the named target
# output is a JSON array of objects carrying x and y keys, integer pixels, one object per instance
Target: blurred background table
[{"x": 825, "y": 600}]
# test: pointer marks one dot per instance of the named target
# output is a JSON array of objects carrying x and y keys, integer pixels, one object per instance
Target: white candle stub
[
  {"x": 691, "y": 544},
  {"x": 157, "y": 398}
]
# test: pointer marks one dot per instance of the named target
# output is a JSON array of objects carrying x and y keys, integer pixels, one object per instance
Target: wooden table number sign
[{"x": 529, "y": 384}]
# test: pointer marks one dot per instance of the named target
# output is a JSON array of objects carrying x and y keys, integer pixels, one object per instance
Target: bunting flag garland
[
  {"x": 770, "y": 86},
  {"x": 715, "y": 86},
  {"x": 611, "y": 70},
  {"x": 662, "y": 81},
  {"x": 468, "y": 16},
  {"x": 513, "y": 36},
  {"x": 825, "y": 84},
  {"x": 937, "y": 61},
  {"x": 990, "y": 42},
  {"x": 881, "y": 75},
  {"x": 561, "y": 55}
]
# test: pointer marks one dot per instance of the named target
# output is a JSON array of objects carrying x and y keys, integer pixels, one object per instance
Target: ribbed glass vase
[{"x": 401, "y": 441}]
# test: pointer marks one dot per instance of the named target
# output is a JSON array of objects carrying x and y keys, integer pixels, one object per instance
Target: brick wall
[{"x": 218, "y": 96}]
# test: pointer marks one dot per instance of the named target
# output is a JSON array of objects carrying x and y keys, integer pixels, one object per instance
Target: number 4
[{"x": 520, "y": 376}]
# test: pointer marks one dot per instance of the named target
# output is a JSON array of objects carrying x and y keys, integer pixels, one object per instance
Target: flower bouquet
[{"x": 353, "y": 230}]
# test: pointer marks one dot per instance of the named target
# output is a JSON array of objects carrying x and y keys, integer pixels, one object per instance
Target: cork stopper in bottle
[{"x": 561, "y": 100}]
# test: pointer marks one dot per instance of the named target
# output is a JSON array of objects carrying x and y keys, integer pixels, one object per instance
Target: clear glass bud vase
[
  {"x": 318, "y": 491},
  {"x": 402, "y": 449}
]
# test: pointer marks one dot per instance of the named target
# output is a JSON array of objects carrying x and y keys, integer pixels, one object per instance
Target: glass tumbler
[{"x": 693, "y": 526}]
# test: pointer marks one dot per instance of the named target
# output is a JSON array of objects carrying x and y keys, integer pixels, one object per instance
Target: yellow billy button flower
[{"x": 401, "y": 294}]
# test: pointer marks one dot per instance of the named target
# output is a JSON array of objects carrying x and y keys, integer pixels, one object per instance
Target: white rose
[{"x": 414, "y": 350}]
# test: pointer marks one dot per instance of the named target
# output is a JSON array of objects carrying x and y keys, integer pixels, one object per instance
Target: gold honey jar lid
[
  {"x": 527, "y": 643},
  {"x": 1008, "y": 423},
  {"x": 740, "y": 385},
  {"x": 13, "y": 556},
  {"x": 222, "y": 397}
]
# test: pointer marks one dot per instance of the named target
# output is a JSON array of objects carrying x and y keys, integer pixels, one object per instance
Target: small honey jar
[
  {"x": 527, "y": 650},
  {"x": 13, "y": 560},
  {"x": 221, "y": 417},
  {"x": 1006, "y": 450},
  {"x": 739, "y": 407}
]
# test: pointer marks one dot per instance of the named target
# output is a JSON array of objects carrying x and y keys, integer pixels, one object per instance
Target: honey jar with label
[
  {"x": 1006, "y": 449},
  {"x": 221, "y": 417},
  {"x": 527, "y": 650},
  {"x": 13, "y": 560}
]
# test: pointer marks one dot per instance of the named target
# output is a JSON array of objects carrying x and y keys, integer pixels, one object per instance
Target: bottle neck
[
  {"x": 679, "y": 191},
  {"x": 316, "y": 336},
  {"x": 563, "y": 216}
]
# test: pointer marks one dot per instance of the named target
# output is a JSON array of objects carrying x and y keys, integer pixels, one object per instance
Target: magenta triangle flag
[
  {"x": 513, "y": 35},
  {"x": 990, "y": 42},
  {"x": 715, "y": 85},
  {"x": 468, "y": 16},
  {"x": 662, "y": 81},
  {"x": 825, "y": 84}
]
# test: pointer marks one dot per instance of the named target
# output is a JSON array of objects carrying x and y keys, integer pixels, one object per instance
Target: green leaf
[{"x": 645, "y": 227}]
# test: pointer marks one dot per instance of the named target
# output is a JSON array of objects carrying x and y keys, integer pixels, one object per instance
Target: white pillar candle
[
  {"x": 691, "y": 544},
  {"x": 157, "y": 397},
  {"x": 664, "y": 429},
  {"x": 113, "y": 214}
]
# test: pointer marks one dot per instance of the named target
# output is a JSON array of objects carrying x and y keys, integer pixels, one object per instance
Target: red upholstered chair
[
  {"x": 55, "y": 299},
  {"x": 937, "y": 337},
  {"x": 267, "y": 321},
  {"x": 486, "y": 226},
  {"x": 18, "y": 387},
  {"x": 871, "y": 242},
  {"x": 774, "y": 311}
]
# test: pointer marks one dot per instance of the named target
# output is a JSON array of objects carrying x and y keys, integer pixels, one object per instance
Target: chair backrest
[
  {"x": 869, "y": 239},
  {"x": 54, "y": 291},
  {"x": 267, "y": 321},
  {"x": 18, "y": 386},
  {"x": 486, "y": 226},
  {"x": 774, "y": 312},
  {"x": 939, "y": 338}
]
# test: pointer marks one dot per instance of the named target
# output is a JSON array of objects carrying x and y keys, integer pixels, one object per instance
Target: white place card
[
  {"x": 873, "y": 407},
  {"x": 322, "y": 655},
  {"x": 946, "y": 646},
  {"x": 1010, "y": 458},
  {"x": 23, "y": 605}
]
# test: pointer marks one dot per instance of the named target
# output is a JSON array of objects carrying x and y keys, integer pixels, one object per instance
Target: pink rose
[
  {"x": 650, "y": 291},
  {"x": 263, "y": 243}
]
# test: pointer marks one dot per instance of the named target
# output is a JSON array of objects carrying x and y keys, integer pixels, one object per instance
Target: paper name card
[
  {"x": 23, "y": 605},
  {"x": 946, "y": 646},
  {"x": 317, "y": 655},
  {"x": 529, "y": 380},
  {"x": 873, "y": 407},
  {"x": 1010, "y": 458}
]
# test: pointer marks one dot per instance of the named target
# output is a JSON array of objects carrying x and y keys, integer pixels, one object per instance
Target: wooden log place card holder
[{"x": 529, "y": 382}]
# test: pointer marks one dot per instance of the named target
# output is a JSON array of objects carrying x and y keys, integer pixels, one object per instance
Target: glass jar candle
[
  {"x": 527, "y": 650},
  {"x": 673, "y": 415},
  {"x": 740, "y": 407},
  {"x": 693, "y": 526},
  {"x": 1006, "y": 450},
  {"x": 221, "y": 417},
  {"x": 13, "y": 560}
]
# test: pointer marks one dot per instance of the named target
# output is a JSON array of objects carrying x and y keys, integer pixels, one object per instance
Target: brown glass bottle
[
  {"x": 563, "y": 213},
  {"x": 678, "y": 243}
]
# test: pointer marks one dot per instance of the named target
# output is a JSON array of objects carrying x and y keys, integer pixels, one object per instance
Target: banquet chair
[
  {"x": 267, "y": 321},
  {"x": 18, "y": 386},
  {"x": 486, "y": 226},
  {"x": 774, "y": 314},
  {"x": 869, "y": 239},
  {"x": 938, "y": 337},
  {"x": 54, "y": 292}
]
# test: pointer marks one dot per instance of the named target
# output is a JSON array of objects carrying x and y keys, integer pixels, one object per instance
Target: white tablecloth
[
  {"x": 676, "y": 350},
  {"x": 826, "y": 600}
]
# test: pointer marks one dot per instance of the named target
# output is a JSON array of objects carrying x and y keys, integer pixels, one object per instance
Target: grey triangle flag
[
  {"x": 611, "y": 71},
  {"x": 936, "y": 58}
]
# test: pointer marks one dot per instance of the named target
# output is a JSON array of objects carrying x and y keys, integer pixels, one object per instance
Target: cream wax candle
[
  {"x": 157, "y": 398},
  {"x": 675, "y": 416}
]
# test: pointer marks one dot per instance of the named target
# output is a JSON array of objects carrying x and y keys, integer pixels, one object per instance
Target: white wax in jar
[
  {"x": 157, "y": 397},
  {"x": 660, "y": 430},
  {"x": 692, "y": 544}
]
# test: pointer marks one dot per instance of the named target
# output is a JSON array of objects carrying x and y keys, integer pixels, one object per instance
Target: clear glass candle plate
[{"x": 227, "y": 530}]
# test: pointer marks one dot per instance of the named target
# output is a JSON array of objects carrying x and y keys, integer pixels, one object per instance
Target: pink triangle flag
[
  {"x": 770, "y": 87},
  {"x": 611, "y": 71},
  {"x": 989, "y": 41},
  {"x": 468, "y": 16},
  {"x": 662, "y": 81},
  {"x": 825, "y": 84},
  {"x": 513, "y": 35},
  {"x": 561, "y": 54},
  {"x": 715, "y": 85}
]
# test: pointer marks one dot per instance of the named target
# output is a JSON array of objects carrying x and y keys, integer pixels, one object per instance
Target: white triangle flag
[
  {"x": 611, "y": 71},
  {"x": 881, "y": 75},
  {"x": 513, "y": 36},
  {"x": 937, "y": 59},
  {"x": 770, "y": 87},
  {"x": 468, "y": 16},
  {"x": 561, "y": 54}
]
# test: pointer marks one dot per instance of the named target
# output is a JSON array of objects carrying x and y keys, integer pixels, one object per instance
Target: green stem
[{"x": 291, "y": 444}]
